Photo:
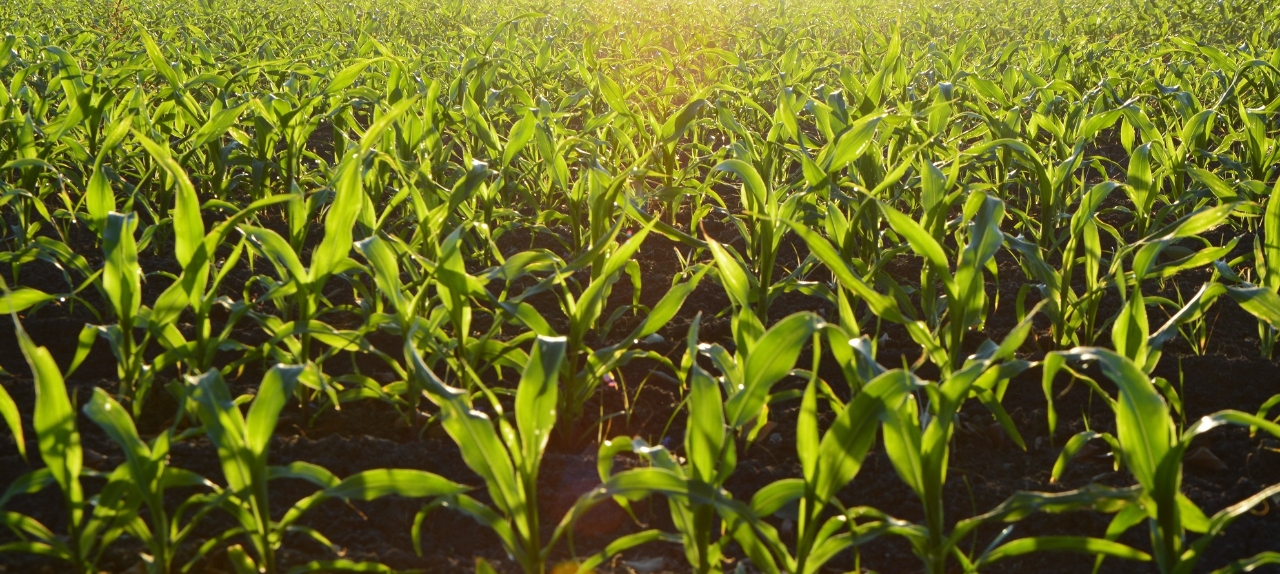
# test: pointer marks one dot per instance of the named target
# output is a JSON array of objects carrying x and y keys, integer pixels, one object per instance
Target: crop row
[{"x": 454, "y": 211}]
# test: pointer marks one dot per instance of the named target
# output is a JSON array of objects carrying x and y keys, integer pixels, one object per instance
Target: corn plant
[
  {"x": 302, "y": 286},
  {"x": 1267, "y": 264},
  {"x": 749, "y": 277},
  {"x": 918, "y": 443},
  {"x": 829, "y": 462},
  {"x": 197, "y": 286},
  {"x": 507, "y": 457},
  {"x": 122, "y": 281},
  {"x": 720, "y": 411},
  {"x": 1147, "y": 444},
  {"x": 585, "y": 368},
  {"x": 144, "y": 479},
  {"x": 93, "y": 523},
  {"x": 242, "y": 441}
]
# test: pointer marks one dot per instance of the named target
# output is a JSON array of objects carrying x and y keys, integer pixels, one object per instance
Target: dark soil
[{"x": 986, "y": 467}]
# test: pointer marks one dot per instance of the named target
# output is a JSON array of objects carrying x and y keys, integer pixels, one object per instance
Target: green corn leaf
[
  {"x": 622, "y": 544},
  {"x": 1196, "y": 223},
  {"x": 1194, "y": 308},
  {"x": 224, "y": 424},
  {"x": 23, "y": 298},
  {"x": 276, "y": 388},
  {"x": 71, "y": 76},
  {"x": 347, "y": 76},
  {"x": 375, "y": 484},
  {"x": 373, "y": 135},
  {"x": 1193, "y": 519},
  {"x": 706, "y": 432},
  {"x": 638, "y": 483},
  {"x": 1130, "y": 333},
  {"x": 777, "y": 495},
  {"x": 1220, "y": 188},
  {"x": 591, "y": 302},
  {"x": 278, "y": 251},
  {"x": 676, "y": 125},
  {"x": 612, "y": 94},
  {"x": 537, "y": 394},
  {"x": 380, "y": 482},
  {"x": 853, "y": 142},
  {"x": 121, "y": 277},
  {"x": 733, "y": 275},
  {"x": 474, "y": 434},
  {"x": 348, "y": 200},
  {"x": 1269, "y": 268},
  {"x": 1260, "y": 302},
  {"x": 1073, "y": 446},
  {"x": 300, "y": 470},
  {"x": 779, "y": 348},
  {"x": 1099, "y": 498},
  {"x": 116, "y": 422},
  {"x": 1219, "y": 523},
  {"x": 99, "y": 197},
  {"x": 54, "y": 421},
  {"x": 1195, "y": 129},
  {"x": 1251, "y": 564},
  {"x": 754, "y": 193},
  {"x": 521, "y": 134},
  {"x": 220, "y": 233},
  {"x": 386, "y": 270},
  {"x": 240, "y": 560},
  {"x": 807, "y": 438},
  {"x": 667, "y": 307},
  {"x": 920, "y": 241},
  {"x": 114, "y": 136},
  {"x": 882, "y": 305},
  {"x": 29, "y": 483},
  {"x": 844, "y": 447},
  {"x": 1080, "y": 544},
  {"x": 985, "y": 235},
  {"x": 13, "y": 419},
  {"x": 1143, "y": 426},
  {"x": 933, "y": 189},
  {"x": 216, "y": 126},
  {"x": 157, "y": 58},
  {"x": 188, "y": 226}
]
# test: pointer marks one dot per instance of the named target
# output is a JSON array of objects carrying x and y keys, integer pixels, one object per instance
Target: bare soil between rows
[{"x": 986, "y": 467}]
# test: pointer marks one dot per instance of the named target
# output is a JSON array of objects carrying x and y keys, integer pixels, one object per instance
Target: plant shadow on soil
[{"x": 986, "y": 467}]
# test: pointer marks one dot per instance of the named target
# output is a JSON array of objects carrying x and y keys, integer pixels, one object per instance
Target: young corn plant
[
  {"x": 242, "y": 442},
  {"x": 122, "y": 282},
  {"x": 197, "y": 287},
  {"x": 93, "y": 523},
  {"x": 1075, "y": 315},
  {"x": 144, "y": 479},
  {"x": 751, "y": 276},
  {"x": 470, "y": 358},
  {"x": 506, "y": 456},
  {"x": 711, "y": 457},
  {"x": 917, "y": 441},
  {"x": 300, "y": 290},
  {"x": 719, "y": 412},
  {"x": 1148, "y": 445},
  {"x": 1267, "y": 264},
  {"x": 963, "y": 291},
  {"x": 856, "y": 281},
  {"x": 585, "y": 368},
  {"x": 829, "y": 462}
]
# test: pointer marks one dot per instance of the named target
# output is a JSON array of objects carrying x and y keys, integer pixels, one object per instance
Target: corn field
[{"x": 667, "y": 286}]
